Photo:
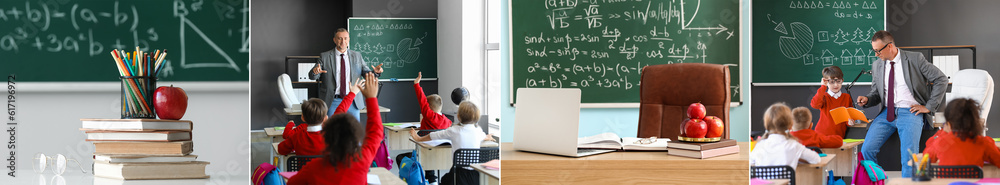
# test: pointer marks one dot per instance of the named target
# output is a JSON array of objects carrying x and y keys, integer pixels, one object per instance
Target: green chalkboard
[
  {"x": 794, "y": 40},
  {"x": 601, "y": 46},
  {"x": 67, "y": 41},
  {"x": 404, "y": 46}
]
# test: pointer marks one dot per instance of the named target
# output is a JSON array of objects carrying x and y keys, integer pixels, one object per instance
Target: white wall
[
  {"x": 50, "y": 122},
  {"x": 461, "y": 42}
]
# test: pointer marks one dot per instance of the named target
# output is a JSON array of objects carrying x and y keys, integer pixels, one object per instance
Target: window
[{"x": 492, "y": 66}]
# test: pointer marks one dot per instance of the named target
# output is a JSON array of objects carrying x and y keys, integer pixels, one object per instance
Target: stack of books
[
  {"x": 703, "y": 150},
  {"x": 143, "y": 149}
]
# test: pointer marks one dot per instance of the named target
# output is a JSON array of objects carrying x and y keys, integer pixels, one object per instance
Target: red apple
[
  {"x": 696, "y": 111},
  {"x": 715, "y": 126},
  {"x": 170, "y": 102},
  {"x": 695, "y": 128}
]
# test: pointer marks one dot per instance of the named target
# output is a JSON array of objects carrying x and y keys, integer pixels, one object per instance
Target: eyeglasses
[
  {"x": 58, "y": 163},
  {"x": 834, "y": 81},
  {"x": 879, "y": 51},
  {"x": 646, "y": 141}
]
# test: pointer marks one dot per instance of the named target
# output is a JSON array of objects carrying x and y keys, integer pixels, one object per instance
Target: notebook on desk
[{"x": 548, "y": 122}]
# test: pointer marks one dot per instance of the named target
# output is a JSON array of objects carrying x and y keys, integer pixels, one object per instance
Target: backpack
[
  {"x": 267, "y": 174},
  {"x": 868, "y": 172},
  {"x": 382, "y": 157},
  {"x": 411, "y": 171}
]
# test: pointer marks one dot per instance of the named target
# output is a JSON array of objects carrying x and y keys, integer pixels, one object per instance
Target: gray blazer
[
  {"x": 919, "y": 75},
  {"x": 327, "y": 85}
]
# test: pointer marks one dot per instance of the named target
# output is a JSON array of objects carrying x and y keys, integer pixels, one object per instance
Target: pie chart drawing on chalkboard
[{"x": 799, "y": 43}]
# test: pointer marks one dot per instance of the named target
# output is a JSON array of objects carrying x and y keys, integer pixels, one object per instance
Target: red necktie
[
  {"x": 891, "y": 103},
  {"x": 343, "y": 76}
]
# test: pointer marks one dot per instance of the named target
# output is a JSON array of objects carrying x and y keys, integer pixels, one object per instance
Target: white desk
[
  {"x": 848, "y": 160},
  {"x": 813, "y": 173},
  {"x": 399, "y": 138},
  {"x": 281, "y": 159},
  {"x": 75, "y": 177},
  {"x": 487, "y": 176}
]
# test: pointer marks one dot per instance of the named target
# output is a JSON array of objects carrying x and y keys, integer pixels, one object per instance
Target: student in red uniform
[
  {"x": 961, "y": 141},
  {"x": 829, "y": 97},
  {"x": 345, "y": 161},
  {"x": 809, "y": 137},
  {"x": 430, "y": 108},
  {"x": 306, "y": 139}
]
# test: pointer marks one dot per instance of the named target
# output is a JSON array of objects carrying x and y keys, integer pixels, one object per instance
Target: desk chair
[
  {"x": 294, "y": 163},
  {"x": 291, "y": 102},
  {"x": 976, "y": 84},
  {"x": 965, "y": 172},
  {"x": 773, "y": 172},
  {"x": 668, "y": 89},
  {"x": 460, "y": 170}
]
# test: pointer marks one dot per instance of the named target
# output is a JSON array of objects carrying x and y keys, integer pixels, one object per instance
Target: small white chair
[
  {"x": 292, "y": 105},
  {"x": 975, "y": 84}
]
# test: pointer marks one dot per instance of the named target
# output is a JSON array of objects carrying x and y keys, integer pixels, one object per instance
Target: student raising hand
[
  {"x": 357, "y": 86},
  {"x": 417, "y": 81},
  {"x": 370, "y": 89}
]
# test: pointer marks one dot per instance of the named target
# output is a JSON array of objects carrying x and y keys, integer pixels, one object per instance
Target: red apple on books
[
  {"x": 696, "y": 111},
  {"x": 170, "y": 102},
  {"x": 695, "y": 128},
  {"x": 715, "y": 126}
]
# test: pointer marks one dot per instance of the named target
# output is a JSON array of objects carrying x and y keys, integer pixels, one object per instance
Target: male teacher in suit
[
  {"x": 906, "y": 88},
  {"x": 347, "y": 67}
]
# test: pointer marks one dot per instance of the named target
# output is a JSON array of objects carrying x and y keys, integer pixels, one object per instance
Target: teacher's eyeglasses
[
  {"x": 57, "y": 162},
  {"x": 879, "y": 51}
]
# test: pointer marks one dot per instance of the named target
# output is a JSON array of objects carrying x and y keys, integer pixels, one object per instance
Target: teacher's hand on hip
[{"x": 918, "y": 109}]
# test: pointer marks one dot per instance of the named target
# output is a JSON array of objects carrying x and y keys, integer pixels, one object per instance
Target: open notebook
[{"x": 612, "y": 141}]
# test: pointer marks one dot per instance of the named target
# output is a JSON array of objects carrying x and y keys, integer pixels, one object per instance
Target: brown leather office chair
[{"x": 667, "y": 90}]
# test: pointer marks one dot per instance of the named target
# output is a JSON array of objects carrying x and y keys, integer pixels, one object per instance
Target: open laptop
[{"x": 547, "y": 120}]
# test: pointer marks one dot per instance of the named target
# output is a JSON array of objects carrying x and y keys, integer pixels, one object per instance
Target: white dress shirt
[
  {"x": 336, "y": 74},
  {"x": 461, "y": 136},
  {"x": 903, "y": 97},
  {"x": 777, "y": 150},
  {"x": 835, "y": 95}
]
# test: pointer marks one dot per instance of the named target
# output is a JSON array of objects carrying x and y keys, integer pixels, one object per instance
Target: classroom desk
[
  {"x": 380, "y": 109},
  {"x": 813, "y": 173},
  {"x": 779, "y": 181},
  {"x": 275, "y": 136},
  {"x": 439, "y": 157},
  {"x": 386, "y": 177},
  {"x": 624, "y": 168},
  {"x": 487, "y": 176},
  {"x": 280, "y": 158},
  {"x": 398, "y": 138},
  {"x": 933, "y": 181},
  {"x": 848, "y": 160}
]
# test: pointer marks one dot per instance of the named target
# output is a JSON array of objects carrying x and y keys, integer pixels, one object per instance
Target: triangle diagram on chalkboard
[
  {"x": 185, "y": 64},
  {"x": 781, "y": 28}
]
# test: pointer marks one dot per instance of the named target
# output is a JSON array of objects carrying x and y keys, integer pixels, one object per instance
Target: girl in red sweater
[
  {"x": 344, "y": 161},
  {"x": 961, "y": 141}
]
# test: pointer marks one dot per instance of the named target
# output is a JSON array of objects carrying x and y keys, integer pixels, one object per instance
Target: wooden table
[
  {"x": 439, "y": 157},
  {"x": 386, "y": 177},
  {"x": 813, "y": 173},
  {"x": 398, "y": 138},
  {"x": 624, "y": 168},
  {"x": 901, "y": 181},
  {"x": 487, "y": 176},
  {"x": 848, "y": 160}
]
